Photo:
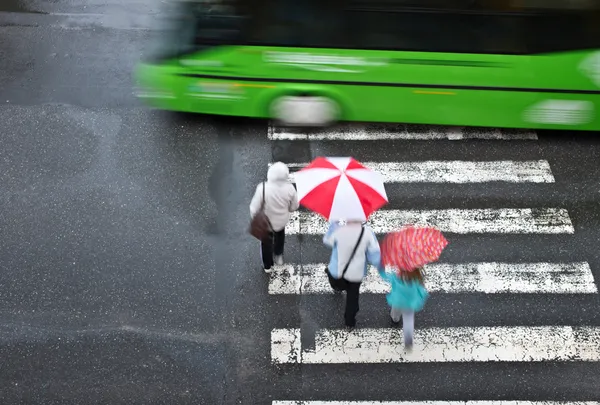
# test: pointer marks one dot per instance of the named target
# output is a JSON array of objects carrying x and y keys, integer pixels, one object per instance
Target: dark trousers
[
  {"x": 272, "y": 245},
  {"x": 352, "y": 294}
]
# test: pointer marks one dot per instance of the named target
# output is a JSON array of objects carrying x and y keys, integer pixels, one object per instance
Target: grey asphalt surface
[{"x": 127, "y": 276}]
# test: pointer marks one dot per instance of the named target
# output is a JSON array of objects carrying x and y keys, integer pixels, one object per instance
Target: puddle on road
[{"x": 17, "y": 6}]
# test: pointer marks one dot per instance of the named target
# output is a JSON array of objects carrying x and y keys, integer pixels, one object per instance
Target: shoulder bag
[
  {"x": 340, "y": 284},
  {"x": 260, "y": 226}
]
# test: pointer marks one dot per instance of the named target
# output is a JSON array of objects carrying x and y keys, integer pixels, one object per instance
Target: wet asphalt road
[
  {"x": 127, "y": 277},
  {"x": 119, "y": 280}
]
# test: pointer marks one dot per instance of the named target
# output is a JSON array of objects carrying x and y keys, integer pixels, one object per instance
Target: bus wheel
[{"x": 305, "y": 111}]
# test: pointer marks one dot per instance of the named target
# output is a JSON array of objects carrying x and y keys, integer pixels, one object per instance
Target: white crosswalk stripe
[
  {"x": 490, "y": 278},
  {"x": 440, "y": 345},
  {"x": 537, "y": 171},
  {"x": 499, "y": 220},
  {"x": 353, "y": 132}
]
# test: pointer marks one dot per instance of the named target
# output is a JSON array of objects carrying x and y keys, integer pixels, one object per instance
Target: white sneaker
[
  {"x": 279, "y": 260},
  {"x": 268, "y": 271}
]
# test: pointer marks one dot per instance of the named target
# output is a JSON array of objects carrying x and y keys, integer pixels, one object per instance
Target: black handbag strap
[{"x": 362, "y": 230}]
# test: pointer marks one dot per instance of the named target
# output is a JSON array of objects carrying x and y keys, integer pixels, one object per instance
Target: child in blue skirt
[{"x": 407, "y": 296}]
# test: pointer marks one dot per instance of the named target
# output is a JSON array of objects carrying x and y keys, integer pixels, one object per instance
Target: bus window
[
  {"x": 414, "y": 4},
  {"x": 308, "y": 23},
  {"x": 456, "y": 26},
  {"x": 564, "y": 31},
  {"x": 175, "y": 35},
  {"x": 440, "y": 31},
  {"x": 409, "y": 31},
  {"x": 559, "y": 4},
  {"x": 190, "y": 26},
  {"x": 500, "y": 34}
]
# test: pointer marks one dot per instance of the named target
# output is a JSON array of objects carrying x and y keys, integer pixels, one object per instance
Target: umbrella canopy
[
  {"x": 340, "y": 188},
  {"x": 412, "y": 247}
]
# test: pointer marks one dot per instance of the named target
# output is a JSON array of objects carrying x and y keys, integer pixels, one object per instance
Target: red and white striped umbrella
[{"x": 340, "y": 188}]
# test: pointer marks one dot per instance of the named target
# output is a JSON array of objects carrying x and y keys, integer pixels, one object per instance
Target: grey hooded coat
[{"x": 280, "y": 195}]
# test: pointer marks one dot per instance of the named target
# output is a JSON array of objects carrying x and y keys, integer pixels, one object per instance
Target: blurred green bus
[{"x": 492, "y": 63}]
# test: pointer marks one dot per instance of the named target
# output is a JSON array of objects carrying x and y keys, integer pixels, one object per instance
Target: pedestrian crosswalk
[{"x": 367, "y": 345}]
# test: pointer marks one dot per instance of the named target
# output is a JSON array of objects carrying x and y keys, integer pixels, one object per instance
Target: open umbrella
[
  {"x": 340, "y": 188},
  {"x": 412, "y": 247}
]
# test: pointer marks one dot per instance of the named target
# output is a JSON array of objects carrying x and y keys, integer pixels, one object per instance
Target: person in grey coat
[{"x": 281, "y": 199}]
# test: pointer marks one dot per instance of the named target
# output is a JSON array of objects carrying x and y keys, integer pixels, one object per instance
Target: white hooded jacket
[{"x": 280, "y": 197}]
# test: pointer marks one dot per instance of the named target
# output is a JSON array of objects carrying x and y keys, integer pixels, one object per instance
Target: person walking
[
  {"x": 407, "y": 251},
  {"x": 407, "y": 296},
  {"x": 280, "y": 199},
  {"x": 353, "y": 247}
]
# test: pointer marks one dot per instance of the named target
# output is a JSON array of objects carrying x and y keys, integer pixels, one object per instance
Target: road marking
[
  {"x": 502, "y": 220},
  {"x": 434, "y": 403},
  {"x": 490, "y": 278},
  {"x": 536, "y": 171},
  {"x": 357, "y": 132},
  {"x": 440, "y": 345}
]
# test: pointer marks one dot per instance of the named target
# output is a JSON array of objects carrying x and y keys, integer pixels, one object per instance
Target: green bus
[{"x": 490, "y": 63}]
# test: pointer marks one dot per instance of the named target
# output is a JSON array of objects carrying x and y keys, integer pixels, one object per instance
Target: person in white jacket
[
  {"x": 342, "y": 239},
  {"x": 281, "y": 199}
]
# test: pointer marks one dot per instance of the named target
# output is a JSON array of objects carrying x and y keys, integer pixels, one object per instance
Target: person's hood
[{"x": 278, "y": 172}]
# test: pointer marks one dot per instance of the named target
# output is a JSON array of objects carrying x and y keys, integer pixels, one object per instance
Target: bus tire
[{"x": 308, "y": 111}]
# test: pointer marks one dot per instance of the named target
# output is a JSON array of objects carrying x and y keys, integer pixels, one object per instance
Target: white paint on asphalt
[
  {"x": 536, "y": 171},
  {"x": 357, "y": 132},
  {"x": 490, "y": 278},
  {"x": 286, "y": 346},
  {"x": 435, "y": 403},
  {"x": 456, "y": 344},
  {"x": 501, "y": 220}
]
